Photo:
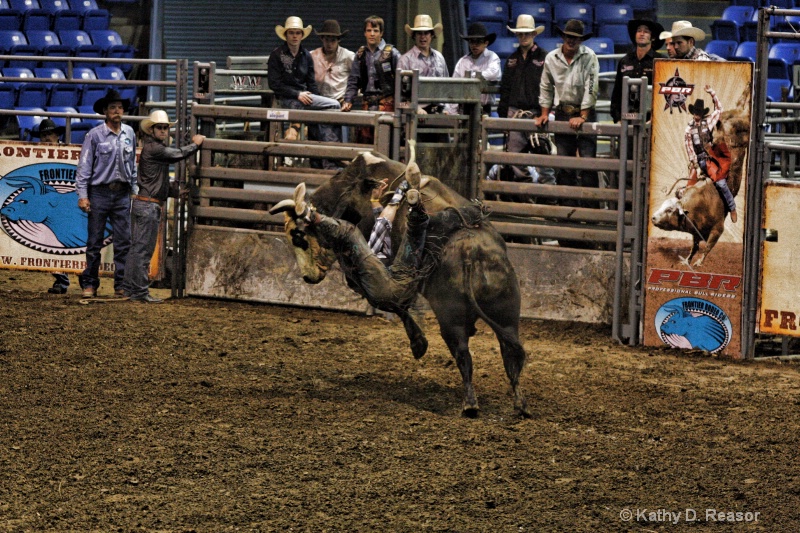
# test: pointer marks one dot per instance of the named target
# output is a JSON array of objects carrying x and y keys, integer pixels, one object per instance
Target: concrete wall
[{"x": 556, "y": 284}]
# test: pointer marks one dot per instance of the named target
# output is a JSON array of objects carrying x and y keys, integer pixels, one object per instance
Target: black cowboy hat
[
  {"x": 655, "y": 30},
  {"x": 698, "y": 108},
  {"x": 477, "y": 30},
  {"x": 573, "y": 28},
  {"x": 330, "y": 28},
  {"x": 111, "y": 96},
  {"x": 48, "y": 126}
]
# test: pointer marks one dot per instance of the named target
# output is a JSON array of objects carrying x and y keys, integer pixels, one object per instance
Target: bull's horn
[
  {"x": 413, "y": 175},
  {"x": 282, "y": 206},
  {"x": 412, "y": 150},
  {"x": 300, "y": 199}
]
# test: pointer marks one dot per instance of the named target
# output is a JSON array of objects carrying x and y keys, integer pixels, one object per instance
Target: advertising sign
[
  {"x": 42, "y": 226},
  {"x": 699, "y": 145}
]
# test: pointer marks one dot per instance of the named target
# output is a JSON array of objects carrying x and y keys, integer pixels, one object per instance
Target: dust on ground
[{"x": 204, "y": 415}]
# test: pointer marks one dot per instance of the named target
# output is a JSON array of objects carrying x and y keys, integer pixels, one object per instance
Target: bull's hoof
[
  {"x": 419, "y": 347},
  {"x": 522, "y": 411},
  {"x": 470, "y": 411}
]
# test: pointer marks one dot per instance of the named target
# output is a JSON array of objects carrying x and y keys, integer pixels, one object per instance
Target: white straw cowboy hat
[
  {"x": 683, "y": 28},
  {"x": 292, "y": 23},
  {"x": 526, "y": 24},
  {"x": 424, "y": 23},
  {"x": 156, "y": 117}
]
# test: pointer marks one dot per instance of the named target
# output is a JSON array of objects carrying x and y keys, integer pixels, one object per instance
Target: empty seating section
[
  {"x": 583, "y": 12},
  {"x": 603, "y": 46},
  {"x": 724, "y": 49}
]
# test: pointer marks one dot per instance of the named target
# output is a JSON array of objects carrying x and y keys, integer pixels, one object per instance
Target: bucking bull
[{"x": 464, "y": 274}]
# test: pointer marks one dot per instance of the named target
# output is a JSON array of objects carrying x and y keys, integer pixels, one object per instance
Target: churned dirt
[{"x": 205, "y": 416}]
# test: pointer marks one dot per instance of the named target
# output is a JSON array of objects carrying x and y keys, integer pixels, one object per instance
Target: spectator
[
  {"x": 422, "y": 56},
  {"x": 667, "y": 38},
  {"x": 49, "y": 133},
  {"x": 570, "y": 81},
  {"x": 635, "y": 64},
  {"x": 372, "y": 73},
  {"x": 105, "y": 176},
  {"x": 479, "y": 63},
  {"x": 683, "y": 36},
  {"x": 332, "y": 64},
  {"x": 290, "y": 73},
  {"x": 519, "y": 93},
  {"x": 146, "y": 206}
]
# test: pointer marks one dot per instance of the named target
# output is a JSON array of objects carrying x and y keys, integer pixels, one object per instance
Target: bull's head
[
  {"x": 670, "y": 215},
  {"x": 313, "y": 259},
  {"x": 31, "y": 204}
]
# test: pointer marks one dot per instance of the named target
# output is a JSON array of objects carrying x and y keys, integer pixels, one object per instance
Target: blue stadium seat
[
  {"x": 755, "y": 4},
  {"x": 33, "y": 18},
  {"x": 48, "y": 44},
  {"x": 10, "y": 19},
  {"x": 8, "y": 95},
  {"x": 583, "y": 12},
  {"x": 549, "y": 43},
  {"x": 66, "y": 19},
  {"x": 79, "y": 131},
  {"x": 618, "y": 33},
  {"x": 482, "y": 10},
  {"x": 775, "y": 90},
  {"x": 504, "y": 46},
  {"x": 643, "y": 5},
  {"x": 498, "y": 28},
  {"x": 13, "y": 42},
  {"x": 62, "y": 121},
  {"x": 60, "y": 94},
  {"x": 542, "y": 13},
  {"x": 788, "y": 53},
  {"x": 81, "y": 45},
  {"x": 602, "y": 46},
  {"x": 725, "y": 30},
  {"x": 613, "y": 14},
  {"x": 31, "y": 94},
  {"x": 749, "y": 30},
  {"x": 746, "y": 51},
  {"x": 88, "y": 109},
  {"x": 778, "y": 69},
  {"x": 98, "y": 19},
  {"x": 112, "y": 46},
  {"x": 27, "y": 123},
  {"x": 724, "y": 49},
  {"x": 115, "y": 73}
]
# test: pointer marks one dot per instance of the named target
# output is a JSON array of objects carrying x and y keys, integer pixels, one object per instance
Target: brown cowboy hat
[
  {"x": 330, "y": 28},
  {"x": 111, "y": 96},
  {"x": 698, "y": 108},
  {"x": 655, "y": 31},
  {"x": 573, "y": 28},
  {"x": 477, "y": 30}
]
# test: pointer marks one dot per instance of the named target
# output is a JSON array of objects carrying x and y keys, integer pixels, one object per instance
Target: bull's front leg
[
  {"x": 419, "y": 343},
  {"x": 712, "y": 240}
]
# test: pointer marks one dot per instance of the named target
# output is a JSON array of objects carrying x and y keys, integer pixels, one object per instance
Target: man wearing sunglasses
[{"x": 147, "y": 204}]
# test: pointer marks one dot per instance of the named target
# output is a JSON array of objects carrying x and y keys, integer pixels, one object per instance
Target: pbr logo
[
  {"x": 39, "y": 209},
  {"x": 694, "y": 324},
  {"x": 675, "y": 91}
]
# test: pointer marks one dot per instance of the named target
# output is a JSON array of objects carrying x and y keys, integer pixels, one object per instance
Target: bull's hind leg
[
  {"x": 514, "y": 360},
  {"x": 458, "y": 342}
]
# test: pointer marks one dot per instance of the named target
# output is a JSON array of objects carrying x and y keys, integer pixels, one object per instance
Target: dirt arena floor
[{"x": 206, "y": 416}]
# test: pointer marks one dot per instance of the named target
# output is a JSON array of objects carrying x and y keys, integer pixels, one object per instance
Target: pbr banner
[
  {"x": 42, "y": 226},
  {"x": 693, "y": 273}
]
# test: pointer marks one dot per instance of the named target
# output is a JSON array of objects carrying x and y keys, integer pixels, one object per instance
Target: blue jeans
[
  {"x": 570, "y": 144},
  {"x": 145, "y": 219},
  {"x": 319, "y": 132},
  {"x": 112, "y": 207}
]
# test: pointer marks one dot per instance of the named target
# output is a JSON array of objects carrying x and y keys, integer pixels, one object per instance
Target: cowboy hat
[
  {"x": 683, "y": 28},
  {"x": 424, "y": 23},
  {"x": 477, "y": 30},
  {"x": 48, "y": 126},
  {"x": 292, "y": 23},
  {"x": 526, "y": 24},
  {"x": 655, "y": 31},
  {"x": 573, "y": 28},
  {"x": 330, "y": 28},
  {"x": 111, "y": 96},
  {"x": 698, "y": 108},
  {"x": 156, "y": 117}
]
